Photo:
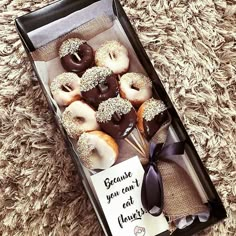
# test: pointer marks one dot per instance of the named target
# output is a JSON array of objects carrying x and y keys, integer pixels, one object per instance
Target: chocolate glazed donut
[
  {"x": 120, "y": 125},
  {"x": 152, "y": 126},
  {"x": 76, "y": 56},
  {"x": 117, "y": 117},
  {"x": 152, "y": 114},
  {"x": 108, "y": 88}
]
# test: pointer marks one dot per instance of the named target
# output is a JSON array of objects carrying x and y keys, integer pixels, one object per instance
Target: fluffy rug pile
[{"x": 192, "y": 44}]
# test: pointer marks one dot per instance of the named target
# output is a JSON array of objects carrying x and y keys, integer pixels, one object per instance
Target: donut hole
[
  {"x": 75, "y": 57},
  {"x": 112, "y": 55},
  {"x": 66, "y": 88},
  {"x": 103, "y": 87},
  {"x": 133, "y": 86},
  {"x": 95, "y": 153},
  {"x": 116, "y": 118},
  {"x": 79, "y": 120}
]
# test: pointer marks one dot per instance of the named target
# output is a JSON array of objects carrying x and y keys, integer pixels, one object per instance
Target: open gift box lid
[{"x": 31, "y": 22}]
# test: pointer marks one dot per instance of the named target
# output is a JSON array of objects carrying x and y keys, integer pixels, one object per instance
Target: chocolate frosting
[
  {"x": 151, "y": 127},
  {"x": 72, "y": 64},
  {"x": 120, "y": 125},
  {"x": 107, "y": 89}
]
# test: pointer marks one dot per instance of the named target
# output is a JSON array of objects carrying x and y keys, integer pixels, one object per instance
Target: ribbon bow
[{"x": 152, "y": 194}]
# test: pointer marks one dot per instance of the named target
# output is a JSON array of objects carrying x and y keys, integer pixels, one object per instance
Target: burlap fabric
[{"x": 181, "y": 198}]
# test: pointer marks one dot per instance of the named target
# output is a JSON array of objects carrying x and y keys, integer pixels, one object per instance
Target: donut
[
  {"x": 97, "y": 150},
  {"x": 113, "y": 55},
  {"x": 65, "y": 88},
  {"x": 135, "y": 87},
  {"x": 117, "y": 117},
  {"x": 79, "y": 117},
  {"x": 152, "y": 114},
  {"x": 76, "y": 55},
  {"x": 98, "y": 84}
]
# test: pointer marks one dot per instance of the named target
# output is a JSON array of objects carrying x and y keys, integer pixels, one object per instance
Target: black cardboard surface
[{"x": 59, "y": 9}]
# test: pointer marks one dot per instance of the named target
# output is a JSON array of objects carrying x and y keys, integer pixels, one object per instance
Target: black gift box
[{"x": 32, "y": 21}]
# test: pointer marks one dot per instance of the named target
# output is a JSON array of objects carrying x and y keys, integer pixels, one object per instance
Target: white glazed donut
[
  {"x": 113, "y": 55},
  {"x": 135, "y": 87},
  {"x": 97, "y": 150},
  {"x": 79, "y": 117},
  {"x": 65, "y": 88}
]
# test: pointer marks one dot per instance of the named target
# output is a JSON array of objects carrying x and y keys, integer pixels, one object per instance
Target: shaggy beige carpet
[{"x": 192, "y": 44}]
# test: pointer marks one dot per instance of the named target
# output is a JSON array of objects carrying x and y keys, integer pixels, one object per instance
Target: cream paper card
[{"x": 119, "y": 192}]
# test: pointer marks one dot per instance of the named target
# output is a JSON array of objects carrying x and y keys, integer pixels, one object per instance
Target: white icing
[
  {"x": 140, "y": 81},
  {"x": 79, "y": 109},
  {"x": 114, "y": 56},
  {"x": 105, "y": 156},
  {"x": 97, "y": 150},
  {"x": 62, "y": 97}
]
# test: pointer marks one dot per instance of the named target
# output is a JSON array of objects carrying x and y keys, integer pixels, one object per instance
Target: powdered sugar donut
[
  {"x": 65, "y": 88},
  {"x": 79, "y": 117},
  {"x": 135, "y": 87},
  {"x": 97, "y": 150},
  {"x": 113, "y": 55},
  {"x": 76, "y": 55},
  {"x": 152, "y": 114}
]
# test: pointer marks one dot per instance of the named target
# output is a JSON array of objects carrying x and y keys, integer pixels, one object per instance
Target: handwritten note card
[{"x": 119, "y": 191}]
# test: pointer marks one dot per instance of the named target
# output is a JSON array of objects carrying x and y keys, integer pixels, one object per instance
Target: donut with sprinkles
[
  {"x": 152, "y": 114},
  {"x": 97, "y": 150},
  {"x": 117, "y": 117},
  {"x": 98, "y": 84},
  {"x": 78, "y": 118},
  {"x": 135, "y": 87},
  {"x": 65, "y": 88},
  {"x": 76, "y": 55},
  {"x": 114, "y": 55}
]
